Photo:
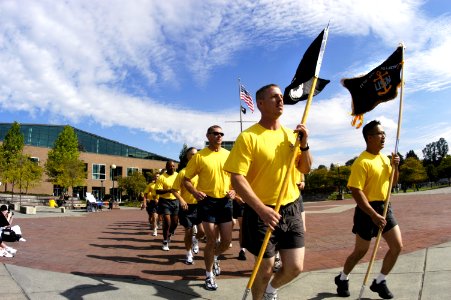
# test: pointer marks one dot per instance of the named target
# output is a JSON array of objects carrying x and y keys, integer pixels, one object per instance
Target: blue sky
[{"x": 156, "y": 74}]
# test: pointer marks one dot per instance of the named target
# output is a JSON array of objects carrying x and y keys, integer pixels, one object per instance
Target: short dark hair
[
  {"x": 212, "y": 127},
  {"x": 262, "y": 90},
  {"x": 368, "y": 128},
  {"x": 3, "y": 207}
]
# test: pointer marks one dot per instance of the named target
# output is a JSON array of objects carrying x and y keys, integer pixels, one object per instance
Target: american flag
[{"x": 246, "y": 97}]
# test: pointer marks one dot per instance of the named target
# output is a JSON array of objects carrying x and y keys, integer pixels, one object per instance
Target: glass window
[
  {"x": 98, "y": 171},
  {"x": 130, "y": 171}
]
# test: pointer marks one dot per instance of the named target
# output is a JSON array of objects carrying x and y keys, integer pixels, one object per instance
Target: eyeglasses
[{"x": 215, "y": 133}]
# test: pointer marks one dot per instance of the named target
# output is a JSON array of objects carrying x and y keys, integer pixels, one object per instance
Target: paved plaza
[{"x": 111, "y": 255}]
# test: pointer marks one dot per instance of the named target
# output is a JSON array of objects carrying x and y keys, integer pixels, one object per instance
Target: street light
[
  {"x": 340, "y": 193},
  {"x": 113, "y": 169}
]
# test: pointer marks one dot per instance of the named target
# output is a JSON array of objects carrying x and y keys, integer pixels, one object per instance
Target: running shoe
[
  {"x": 11, "y": 250},
  {"x": 4, "y": 253},
  {"x": 195, "y": 245},
  {"x": 382, "y": 289},
  {"x": 210, "y": 284},
  {"x": 216, "y": 268},
  {"x": 242, "y": 255},
  {"x": 277, "y": 264},
  {"x": 342, "y": 287},
  {"x": 189, "y": 260},
  {"x": 270, "y": 296},
  {"x": 165, "y": 246}
]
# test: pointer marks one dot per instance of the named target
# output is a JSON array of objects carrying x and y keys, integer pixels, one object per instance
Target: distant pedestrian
[{"x": 168, "y": 204}]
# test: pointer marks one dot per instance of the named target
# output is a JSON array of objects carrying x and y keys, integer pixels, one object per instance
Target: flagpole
[
  {"x": 392, "y": 175},
  {"x": 286, "y": 177},
  {"x": 239, "y": 97}
]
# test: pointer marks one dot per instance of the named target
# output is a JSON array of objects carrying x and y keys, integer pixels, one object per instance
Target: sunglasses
[{"x": 215, "y": 133}]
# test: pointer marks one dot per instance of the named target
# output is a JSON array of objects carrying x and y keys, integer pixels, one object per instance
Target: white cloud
[{"x": 77, "y": 60}]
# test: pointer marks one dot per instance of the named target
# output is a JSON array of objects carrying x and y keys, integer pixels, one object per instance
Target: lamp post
[
  {"x": 101, "y": 190},
  {"x": 340, "y": 193},
  {"x": 113, "y": 173}
]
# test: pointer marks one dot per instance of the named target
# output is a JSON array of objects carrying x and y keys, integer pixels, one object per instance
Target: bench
[
  {"x": 79, "y": 205},
  {"x": 28, "y": 210}
]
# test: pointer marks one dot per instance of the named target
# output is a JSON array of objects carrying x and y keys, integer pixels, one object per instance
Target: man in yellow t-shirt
[
  {"x": 168, "y": 204},
  {"x": 369, "y": 183},
  {"x": 258, "y": 164},
  {"x": 188, "y": 214},
  {"x": 214, "y": 196},
  {"x": 150, "y": 204}
]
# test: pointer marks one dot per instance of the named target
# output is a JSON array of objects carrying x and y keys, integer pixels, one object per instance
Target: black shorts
[
  {"x": 238, "y": 209},
  {"x": 215, "y": 210},
  {"x": 289, "y": 233},
  {"x": 168, "y": 207},
  {"x": 364, "y": 226},
  {"x": 190, "y": 217},
  {"x": 151, "y": 207}
]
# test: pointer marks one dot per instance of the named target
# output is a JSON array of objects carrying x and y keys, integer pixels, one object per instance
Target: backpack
[{"x": 9, "y": 235}]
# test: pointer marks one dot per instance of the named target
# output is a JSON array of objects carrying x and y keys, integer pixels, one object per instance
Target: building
[{"x": 105, "y": 159}]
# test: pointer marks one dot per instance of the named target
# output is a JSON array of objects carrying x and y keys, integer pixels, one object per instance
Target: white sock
[
  {"x": 189, "y": 253},
  {"x": 209, "y": 274},
  {"x": 343, "y": 276},
  {"x": 216, "y": 257},
  {"x": 243, "y": 249},
  {"x": 165, "y": 241},
  {"x": 270, "y": 289},
  {"x": 380, "y": 278}
]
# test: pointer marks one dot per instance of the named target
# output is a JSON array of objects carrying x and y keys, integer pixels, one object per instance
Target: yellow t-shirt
[
  {"x": 165, "y": 182},
  {"x": 263, "y": 157},
  {"x": 184, "y": 193},
  {"x": 371, "y": 174},
  {"x": 208, "y": 165},
  {"x": 151, "y": 191}
]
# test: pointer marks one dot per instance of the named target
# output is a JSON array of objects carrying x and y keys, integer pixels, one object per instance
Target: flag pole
[
  {"x": 239, "y": 97},
  {"x": 392, "y": 175},
  {"x": 289, "y": 170}
]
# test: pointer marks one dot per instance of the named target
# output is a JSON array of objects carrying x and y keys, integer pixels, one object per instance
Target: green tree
[
  {"x": 10, "y": 156},
  {"x": 182, "y": 163},
  {"x": 32, "y": 174},
  {"x": 434, "y": 152},
  {"x": 412, "y": 153},
  {"x": 412, "y": 172},
  {"x": 63, "y": 166},
  {"x": 444, "y": 169},
  {"x": 133, "y": 184}
]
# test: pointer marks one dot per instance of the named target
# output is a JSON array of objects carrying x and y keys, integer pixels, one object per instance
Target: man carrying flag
[
  {"x": 369, "y": 184},
  {"x": 373, "y": 175},
  {"x": 258, "y": 160}
]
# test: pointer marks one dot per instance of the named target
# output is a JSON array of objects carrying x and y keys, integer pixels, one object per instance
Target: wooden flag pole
[
  {"x": 387, "y": 200},
  {"x": 281, "y": 194}
]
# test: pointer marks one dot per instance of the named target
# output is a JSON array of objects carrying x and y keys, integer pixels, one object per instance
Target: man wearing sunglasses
[
  {"x": 214, "y": 197},
  {"x": 258, "y": 164}
]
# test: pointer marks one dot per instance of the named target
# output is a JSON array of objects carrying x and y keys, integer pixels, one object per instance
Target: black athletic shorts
[
  {"x": 189, "y": 217},
  {"x": 289, "y": 233},
  {"x": 215, "y": 210},
  {"x": 238, "y": 209},
  {"x": 364, "y": 226},
  {"x": 151, "y": 207},
  {"x": 168, "y": 207}
]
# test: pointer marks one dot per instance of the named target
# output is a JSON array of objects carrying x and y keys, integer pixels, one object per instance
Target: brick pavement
[{"x": 118, "y": 243}]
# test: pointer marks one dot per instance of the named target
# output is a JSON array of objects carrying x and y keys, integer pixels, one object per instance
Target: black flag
[
  {"x": 301, "y": 84},
  {"x": 379, "y": 85}
]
